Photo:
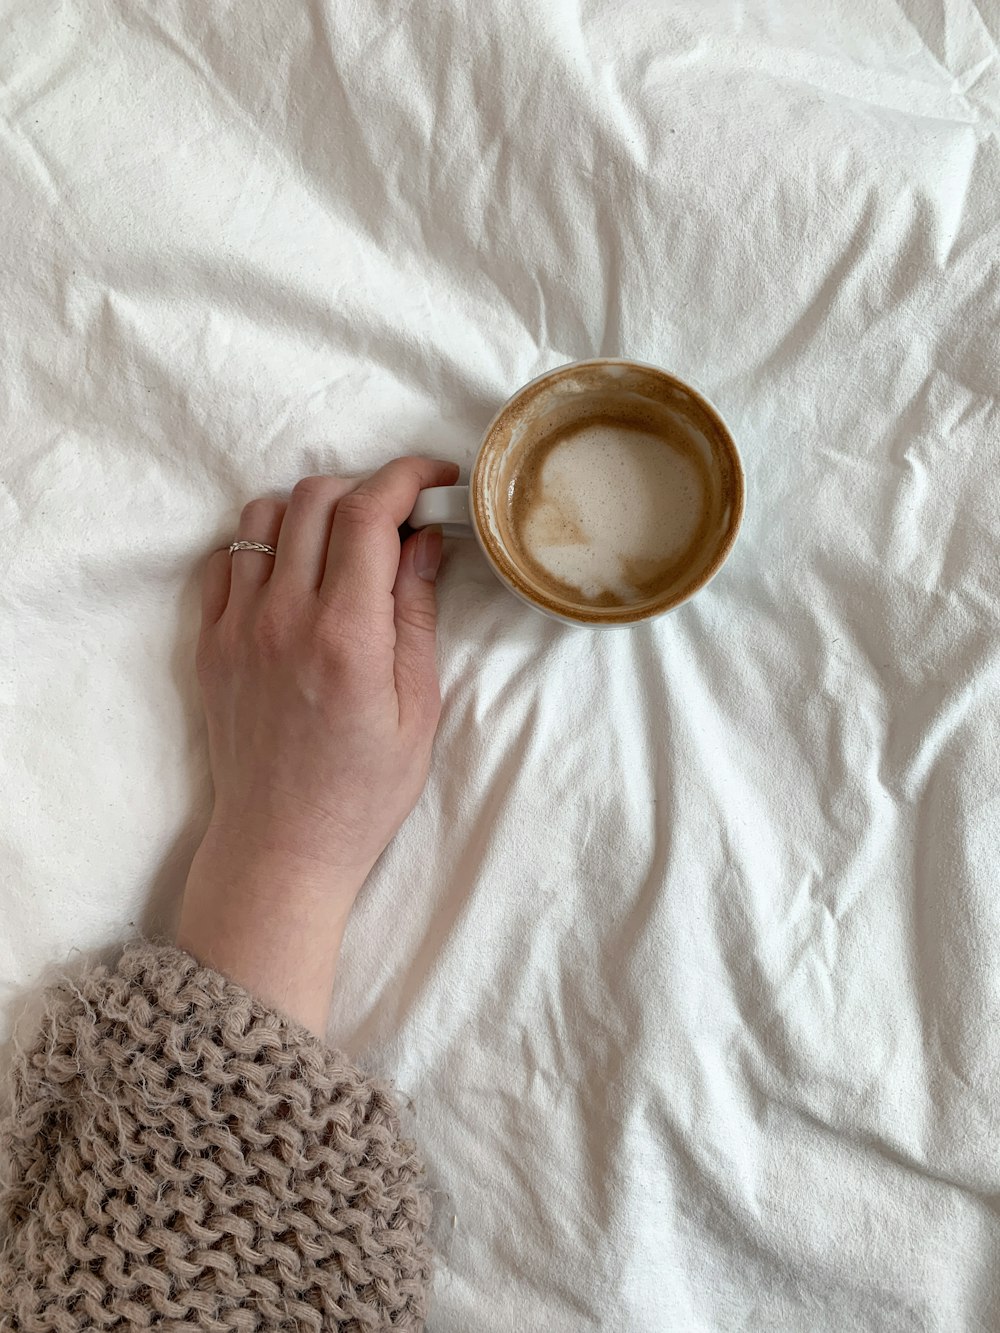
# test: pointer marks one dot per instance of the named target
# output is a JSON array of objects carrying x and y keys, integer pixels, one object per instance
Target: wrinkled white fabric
[{"x": 688, "y": 958}]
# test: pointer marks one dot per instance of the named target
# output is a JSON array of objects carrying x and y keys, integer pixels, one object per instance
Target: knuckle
[
  {"x": 207, "y": 658},
  {"x": 408, "y": 470},
  {"x": 406, "y": 463},
  {"x": 422, "y": 619},
  {"x": 315, "y": 490},
  {"x": 270, "y": 632},
  {"x": 260, "y": 510},
  {"x": 218, "y": 651},
  {"x": 360, "y": 509},
  {"x": 220, "y": 643},
  {"x": 343, "y": 632},
  {"x": 337, "y": 630}
]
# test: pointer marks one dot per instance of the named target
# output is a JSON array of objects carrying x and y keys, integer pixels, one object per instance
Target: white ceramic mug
[{"x": 475, "y": 508}]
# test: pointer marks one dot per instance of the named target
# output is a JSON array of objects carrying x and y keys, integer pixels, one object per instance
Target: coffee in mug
[{"x": 604, "y": 493}]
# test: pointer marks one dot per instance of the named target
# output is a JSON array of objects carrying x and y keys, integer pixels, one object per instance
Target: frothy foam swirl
[{"x": 607, "y": 509}]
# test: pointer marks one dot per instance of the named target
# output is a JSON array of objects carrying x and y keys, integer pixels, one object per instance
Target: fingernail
[{"x": 427, "y": 556}]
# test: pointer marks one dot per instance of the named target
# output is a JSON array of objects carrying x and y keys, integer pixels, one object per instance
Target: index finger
[{"x": 363, "y": 556}]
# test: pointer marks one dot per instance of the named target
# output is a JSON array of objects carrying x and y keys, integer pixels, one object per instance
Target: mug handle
[{"x": 447, "y": 506}]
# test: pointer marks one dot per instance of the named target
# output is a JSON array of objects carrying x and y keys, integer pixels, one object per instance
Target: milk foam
[{"x": 611, "y": 505}]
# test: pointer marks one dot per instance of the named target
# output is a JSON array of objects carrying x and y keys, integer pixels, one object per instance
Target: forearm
[{"x": 272, "y": 921}]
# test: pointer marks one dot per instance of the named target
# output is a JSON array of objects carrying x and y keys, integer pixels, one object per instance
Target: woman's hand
[{"x": 318, "y": 672}]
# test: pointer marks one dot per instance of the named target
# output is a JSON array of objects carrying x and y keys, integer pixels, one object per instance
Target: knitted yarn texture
[{"x": 180, "y": 1157}]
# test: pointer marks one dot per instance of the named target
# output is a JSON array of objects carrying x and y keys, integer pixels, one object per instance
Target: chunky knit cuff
[{"x": 181, "y": 1157}]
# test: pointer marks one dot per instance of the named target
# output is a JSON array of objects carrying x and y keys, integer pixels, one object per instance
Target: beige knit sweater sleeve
[{"x": 181, "y": 1157}]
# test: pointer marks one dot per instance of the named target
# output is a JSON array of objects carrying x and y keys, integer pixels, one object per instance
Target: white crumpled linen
[{"x": 688, "y": 958}]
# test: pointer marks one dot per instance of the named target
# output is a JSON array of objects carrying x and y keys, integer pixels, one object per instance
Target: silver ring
[{"x": 253, "y": 546}]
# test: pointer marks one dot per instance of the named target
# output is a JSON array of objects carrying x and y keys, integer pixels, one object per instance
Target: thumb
[{"x": 416, "y": 623}]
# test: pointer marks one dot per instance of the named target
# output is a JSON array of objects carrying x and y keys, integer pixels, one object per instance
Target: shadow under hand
[{"x": 161, "y": 914}]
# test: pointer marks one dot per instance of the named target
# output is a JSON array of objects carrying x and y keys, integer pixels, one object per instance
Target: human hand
[{"x": 319, "y": 679}]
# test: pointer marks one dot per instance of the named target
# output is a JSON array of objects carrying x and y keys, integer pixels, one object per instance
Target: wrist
[
  {"x": 271, "y": 920},
  {"x": 278, "y": 867},
  {"x": 311, "y": 852}
]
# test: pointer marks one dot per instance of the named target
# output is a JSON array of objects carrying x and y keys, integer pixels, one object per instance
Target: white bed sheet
[{"x": 688, "y": 959}]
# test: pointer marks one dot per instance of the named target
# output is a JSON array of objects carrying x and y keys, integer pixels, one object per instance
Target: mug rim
[{"x": 600, "y": 618}]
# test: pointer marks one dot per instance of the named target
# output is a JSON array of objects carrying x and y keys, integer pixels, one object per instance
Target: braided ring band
[{"x": 252, "y": 546}]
